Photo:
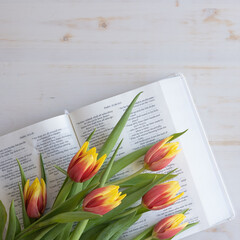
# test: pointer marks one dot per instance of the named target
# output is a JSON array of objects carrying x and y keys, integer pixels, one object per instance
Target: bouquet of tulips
[{"x": 89, "y": 205}]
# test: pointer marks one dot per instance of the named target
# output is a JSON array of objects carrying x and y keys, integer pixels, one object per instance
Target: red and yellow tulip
[
  {"x": 84, "y": 164},
  {"x": 169, "y": 227},
  {"x": 161, "y": 196},
  {"x": 161, "y": 154},
  {"x": 35, "y": 198},
  {"x": 102, "y": 200}
]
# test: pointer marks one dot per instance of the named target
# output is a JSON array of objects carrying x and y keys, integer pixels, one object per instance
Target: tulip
[
  {"x": 102, "y": 200},
  {"x": 35, "y": 198},
  {"x": 84, "y": 164},
  {"x": 161, "y": 154},
  {"x": 169, "y": 227},
  {"x": 161, "y": 196}
]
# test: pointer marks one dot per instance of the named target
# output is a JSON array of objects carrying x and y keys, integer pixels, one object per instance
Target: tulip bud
[
  {"x": 35, "y": 198},
  {"x": 161, "y": 196},
  {"x": 169, "y": 227},
  {"x": 161, "y": 154},
  {"x": 84, "y": 164},
  {"x": 103, "y": 200}
]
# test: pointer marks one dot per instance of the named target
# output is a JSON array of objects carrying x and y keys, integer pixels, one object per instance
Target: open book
[{"x": 164, "y": 107}]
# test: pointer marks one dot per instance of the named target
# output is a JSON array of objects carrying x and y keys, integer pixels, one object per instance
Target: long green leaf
[
  {"x": 39, "y": 234},
  {"x": 23, "y": 178},
  {"x": 114, "y": 230},
  {"x": 10, "y": 235},
  {"x": 67, "y": 217},
  {"x": 92, "y": 235},
  {"x": 26, "y": 220},
  {"x": 143, "y": 235},
  {"x": 127, "y": 160},
  {"x": 53, "y": 233},
  {"x": 127, "y": 202},
  {"x": 114, "y": 135},
  {"x": 113, "y": 138},
  {"x": 123, "y": 162},
  {"x": 67, "y": 206},
  {"x": 76, "y": 188},
  {"x": 115, "y": 227},
  {"x": 62, "y": 195},
  {"x": 176, "y": 135},
  {"x": 143, "y": 179},
  {"x": 61, "y": 170},
  {"x": 43, "y": 173},
  {"x": 18, "y": 226},
  {"x": 3, "y": 219},
  {"x": 107, "y": 170},
  {"x": 90, "y": 136},
  {"x": 65, "y": 232},
  {"x": 129, "y": 223}
]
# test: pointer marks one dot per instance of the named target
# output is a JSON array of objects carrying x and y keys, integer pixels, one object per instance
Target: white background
[{"x": 57, "y": 55}]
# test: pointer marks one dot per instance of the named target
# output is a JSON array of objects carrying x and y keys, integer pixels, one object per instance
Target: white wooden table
[{"x": 57, "y": 55}]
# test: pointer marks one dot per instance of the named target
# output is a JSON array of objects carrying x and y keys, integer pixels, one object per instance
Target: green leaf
[
  {"x": 61, "y": 170},
  {"x": 53, "y": 233},
  {"x": 3, "y": 219},
  {"x": 38, "y": 234},
  {"x": 10, "y": 235},
  {"x": 18, "y": 226},
  {"x": 112, "y": 138},
  {"x": 115, "y": 227},
  {"x": 90, "y": 136},
  {"x": 23, "y": 178},
  {"x": 66, "y": 232},
  {"x": 143, "y": 235},
  {"x": 143, "y": 179},
  {"x": 107, "y": 170},
  {"x": 67, "y": 217},
  {"x": 76, "y": 188},
  {"x": 26, "y": 220},
  {"x": 123, "y": 162},
  {"x": 127, "y": 202},
  {"x": 92, "y": 235},
  {"x": 79, "y": 229},
  {"x": 128, "y": 159},
  {"x": 128, "y": 224},
  {"x": 62, "y": 195},
  {"x": 114, "y": 135},
  {"x": 67, "y": 206},
  {"x": 43, "y": 173},
  {"x": 176, "y": 135}
]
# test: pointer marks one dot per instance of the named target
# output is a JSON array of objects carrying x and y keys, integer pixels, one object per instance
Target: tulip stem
[
  {"x": 78, "y": 231},
  {"x": 127, "y": 178}
]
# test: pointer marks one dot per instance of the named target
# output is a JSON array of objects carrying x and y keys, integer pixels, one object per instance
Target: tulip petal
[
  {"x": 95, "y": 169},
  {"x": 169, "y": 226},
  {"x": 32, "y": 207},
  {"x": 82, "y": 150},
  {"x": 155, "y": 148},
  {"x": 102, "y": 200},
  {"x": 25, "y": 190},
  {"x": 76, "y": 172},
  {"x": 168, "y": 203},
  {"x": 161, "y": 195}
]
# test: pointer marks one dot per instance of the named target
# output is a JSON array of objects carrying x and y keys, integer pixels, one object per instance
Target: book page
[
  {"x": 54, "y": 138},
  {"x": 149, "y": 122},
  {"x": 201, "y": 162}
]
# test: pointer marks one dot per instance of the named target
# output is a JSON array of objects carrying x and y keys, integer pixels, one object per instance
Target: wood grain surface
[{"x": 57, "y": 55}]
